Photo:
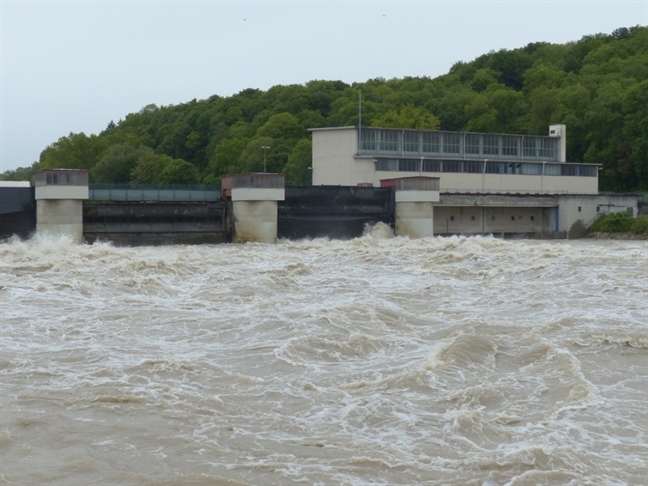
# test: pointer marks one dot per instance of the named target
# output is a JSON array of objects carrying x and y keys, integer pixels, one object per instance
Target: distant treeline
[{"x": 597, "y": 86}]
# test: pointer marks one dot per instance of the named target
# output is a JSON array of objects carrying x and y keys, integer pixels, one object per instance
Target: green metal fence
[{"x": 150, "y": 192}]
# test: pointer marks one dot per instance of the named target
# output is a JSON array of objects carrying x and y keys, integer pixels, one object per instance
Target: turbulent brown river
[{"x": 375, "y": 361}]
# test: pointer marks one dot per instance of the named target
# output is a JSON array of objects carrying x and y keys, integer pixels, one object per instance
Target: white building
[{"x": 489, "y": 183}]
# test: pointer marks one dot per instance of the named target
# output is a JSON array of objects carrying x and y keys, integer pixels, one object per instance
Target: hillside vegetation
[{"x": 597, "y": 86}]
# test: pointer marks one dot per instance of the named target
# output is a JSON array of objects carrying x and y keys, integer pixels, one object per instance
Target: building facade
[{"x": 489, "y": 183}]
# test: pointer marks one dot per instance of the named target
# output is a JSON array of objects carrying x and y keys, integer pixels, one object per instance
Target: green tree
[
  {"x": 149, "y": 167},
  {"x": 76, "y": 151},
  {"x": 298, "y": 169},
  {"x": 227, "y": 156},
  {"x": 19, "y": 174},
  {"x": 282, "y": 126},
  {"x": 117, "y": 163},
  {"x": 409, "y": 116},
  {"x": 179, "y": 171}
]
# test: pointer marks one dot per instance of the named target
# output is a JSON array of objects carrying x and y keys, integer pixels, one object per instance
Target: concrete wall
[
  {"x": 499, "y": 221},
  {"x": 560, "y": 131},
  {"x": 255, "y": 221},
  {"x": 414, "y": 219},
  {"x": 333, "y": 162},
  {"x": 501, "y": 182},
  {"x": 62, "y": 192},
  {"x": 258, "y": 194},
  {"x": 60, "y": 217},
  {"x": 578, "y": 212}
]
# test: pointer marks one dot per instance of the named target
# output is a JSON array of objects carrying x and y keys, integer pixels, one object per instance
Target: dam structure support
[
  {"x": 415, "y": 198},
  {"x": 254, "y": 205},
  {"x": 59, "y": 195}
]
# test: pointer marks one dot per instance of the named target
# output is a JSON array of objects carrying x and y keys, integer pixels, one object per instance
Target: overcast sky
[{"x": 74, "y": 66}]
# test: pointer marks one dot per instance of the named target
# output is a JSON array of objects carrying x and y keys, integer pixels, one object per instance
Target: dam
[{"x": 134, "y": 215}]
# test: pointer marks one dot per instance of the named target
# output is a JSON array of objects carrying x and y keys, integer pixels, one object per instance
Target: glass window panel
[
  {"x": 389, "y": 141},
  {"x": 387, "y": 164},
  {"x": 529, "y": 147},
  {"x": 547, "y": 148},
  {"x": 552, "y": 169},
  {"x": 569, "y": 170},
  {"x": 409, "y": 165},
  {"x": 451, "y": 166},
  {"x": 491, "y": 145},
  {"x": 473, "y": 144},
  {"x": 473, "y": 167},
  {"x": 431, "y": 166},
  {"x": 411, "y": 142},
  {"x": 369, "y": 140},
  {"x": 510, "y": 146},
  {"x": 495, "y": 168},
  {"x": 451, "y": 143},
  {"x": 430, "y": 143},
  {"x": 531, "y": 169}
]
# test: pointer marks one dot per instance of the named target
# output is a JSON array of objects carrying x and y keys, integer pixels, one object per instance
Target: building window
[
  {"x": 529, "y": 147},
  {"x": 532, "y": 218},
  {"x": 451, "y": 166},
  {"x": 411, "y": 142},
  {"x": 512, "y": 218},
  {"x": 451, "y": 218},
  {"x": 510, "y": 146},
  {"x": 495, "y": 167},
  {"x": 408, "y": 165},
  {"x": 473, "y": 144},
  {"x": 430, "y": 143},
  {"x": 598, "y": 209},
  {"x": 531, "y": 169},
  {"x": 552, "y": 169},
  {"x": 431, "y": 166},
  {"x": 473, "y": 167},
  {"x": 491, "y": 144},
  {"x": 548, "y": 148},
  {"x": 513, "y": 168},
  {"x": 368, "y": 140},
  {"x": 388, "y": 141},
  {"x": 472, "y": 218},
  {"x": 579, "y": 209},
  {"x": 387, "y": 164},
  {"x": 451, "y": 143}
]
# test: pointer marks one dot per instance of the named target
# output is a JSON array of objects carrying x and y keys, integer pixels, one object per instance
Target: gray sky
[{"x": 74, "y": 66}]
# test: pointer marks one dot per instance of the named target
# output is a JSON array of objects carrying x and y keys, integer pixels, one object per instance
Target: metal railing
[
  {"x": 465, "y": 145},
  {"x": 60, "y": 177},
  {"x": 258, "y": 181},
  {"x": 486, "y": 167},
  {"x": 150, "y": 192},
  {"x": 417, "y": 184}
]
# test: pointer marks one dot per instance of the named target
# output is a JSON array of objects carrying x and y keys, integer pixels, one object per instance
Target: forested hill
[{"x": 597, "y": 86}]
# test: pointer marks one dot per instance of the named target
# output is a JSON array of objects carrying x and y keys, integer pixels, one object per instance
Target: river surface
[{"x": 375, "y": 361}]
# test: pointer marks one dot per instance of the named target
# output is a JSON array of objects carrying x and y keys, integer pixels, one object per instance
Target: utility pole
[{"x": 265, "y": 148}]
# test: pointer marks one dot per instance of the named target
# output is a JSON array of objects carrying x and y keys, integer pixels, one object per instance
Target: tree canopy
[{"x": 597, "y": 86}]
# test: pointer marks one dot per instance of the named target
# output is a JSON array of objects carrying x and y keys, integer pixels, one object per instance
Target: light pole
[{"x": 265, "y": 148}]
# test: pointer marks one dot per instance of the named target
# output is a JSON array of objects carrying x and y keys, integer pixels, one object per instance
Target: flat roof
[
  {"x": 322, "y": 129},
  {"x": 15, "y": 184}
]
